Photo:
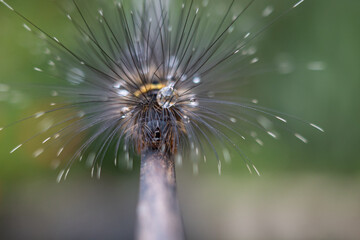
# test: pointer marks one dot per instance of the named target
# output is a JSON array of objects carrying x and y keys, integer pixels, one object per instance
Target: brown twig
[{"x": 158, "y": 212}]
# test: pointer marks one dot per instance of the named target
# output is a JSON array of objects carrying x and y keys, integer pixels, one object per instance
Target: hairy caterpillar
[{"x": 155, "y": 74}]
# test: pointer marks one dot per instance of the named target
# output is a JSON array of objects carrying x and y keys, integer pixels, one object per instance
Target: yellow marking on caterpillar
[{"x": 149, "y": 87}]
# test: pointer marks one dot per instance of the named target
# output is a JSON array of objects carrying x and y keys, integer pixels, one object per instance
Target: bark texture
[{"x": 158, "y": 212}]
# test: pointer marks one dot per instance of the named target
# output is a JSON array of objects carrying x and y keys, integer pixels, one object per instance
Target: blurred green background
[{"x": 305, "y": 192}]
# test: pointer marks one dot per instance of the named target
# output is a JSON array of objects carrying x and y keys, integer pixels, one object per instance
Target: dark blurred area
[{"x": 307, "y": 191}]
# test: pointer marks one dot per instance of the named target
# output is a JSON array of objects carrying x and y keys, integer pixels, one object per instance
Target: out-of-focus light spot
[{"x": 316, "y": 66}]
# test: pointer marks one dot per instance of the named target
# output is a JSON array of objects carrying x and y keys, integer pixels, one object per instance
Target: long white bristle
[
  {"x": 60, "y": 151},
  {"x": 60, "y": 176},
  {"x": 66, "y": 174},
  {"x": 16, "y": 148},
  {"x": 272, "y": 134},
  {"x": 281, "y": 119},
  {"x": 257, "y": 172},
  {"x": 317, "y": 127},
  {"x": 7, "y": 5},
  {"x": 248, "y": 167},
  {"x": 27, "y": 27},
  {"x": 302, "y": 138},
  {"x": 298, "y": 3},
  {"x": 92, "y": 172},
  {"x": 46, "y": 140}
]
